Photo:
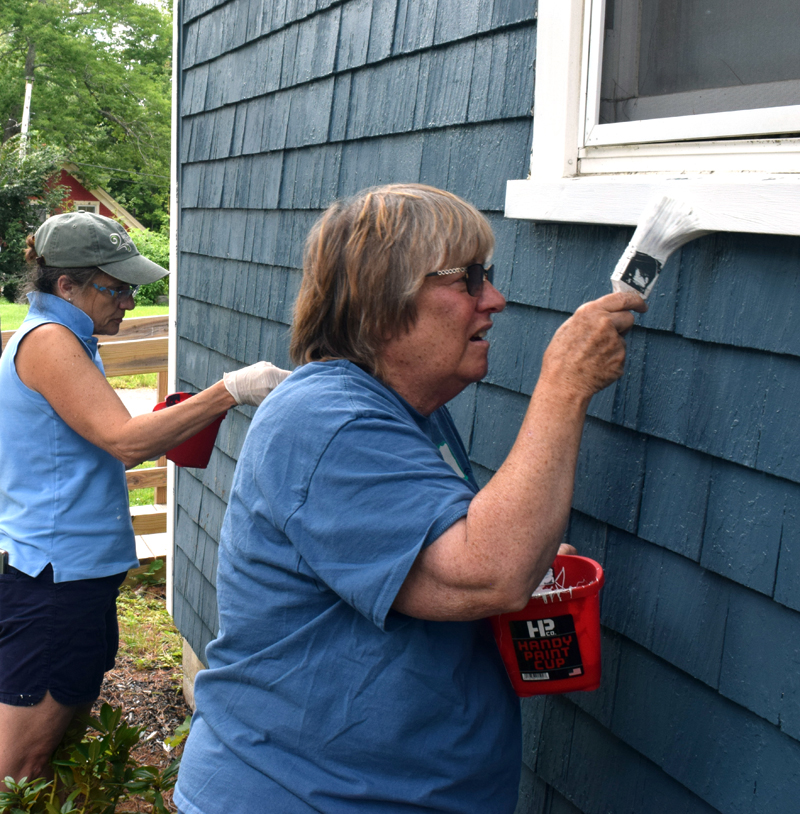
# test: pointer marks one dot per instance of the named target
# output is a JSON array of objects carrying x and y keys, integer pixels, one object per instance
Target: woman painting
[
  {"x": 65, "y": 441},
  {"x": 354, "y": 670}
]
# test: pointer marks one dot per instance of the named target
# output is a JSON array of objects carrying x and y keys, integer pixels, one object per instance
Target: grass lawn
[
  {"x": 143, "y": 497},
  {"x": 134, "y": 382},
  {"x": 12, "y": 314},
  {"x": 147, "y": 632}
]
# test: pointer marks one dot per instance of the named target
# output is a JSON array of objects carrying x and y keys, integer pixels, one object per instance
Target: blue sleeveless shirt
[{"x": 63, "y": 500}]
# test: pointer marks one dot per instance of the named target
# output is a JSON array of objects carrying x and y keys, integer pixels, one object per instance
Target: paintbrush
[{"x": 664, "y": 226}]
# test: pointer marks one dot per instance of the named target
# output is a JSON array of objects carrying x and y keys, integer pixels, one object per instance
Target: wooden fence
[{"x": 141, "y": 347}]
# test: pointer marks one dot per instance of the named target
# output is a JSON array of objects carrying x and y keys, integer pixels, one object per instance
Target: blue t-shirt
[{"x": 320, "y": 697}]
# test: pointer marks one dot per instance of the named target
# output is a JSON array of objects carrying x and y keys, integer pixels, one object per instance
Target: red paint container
[
  {"x": 553, "y": 644},
  {"x": 194, "y": 451}
]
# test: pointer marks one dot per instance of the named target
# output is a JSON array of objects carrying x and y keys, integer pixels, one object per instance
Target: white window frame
[
  {"x": 95, "y": 206},
  {"x": 588, "y": 173}
]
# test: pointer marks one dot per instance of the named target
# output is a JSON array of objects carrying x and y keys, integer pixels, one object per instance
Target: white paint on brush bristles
[{"x": 664, "y": 226}]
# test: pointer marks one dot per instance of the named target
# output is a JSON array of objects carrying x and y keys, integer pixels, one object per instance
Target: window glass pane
[{"x": 679, "y": 57}]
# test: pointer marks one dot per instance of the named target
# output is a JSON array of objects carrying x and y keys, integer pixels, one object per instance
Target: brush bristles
[{"x": 665, "y": 225}]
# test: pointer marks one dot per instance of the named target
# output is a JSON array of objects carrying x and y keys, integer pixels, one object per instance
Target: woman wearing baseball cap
[{"x": 65, "y": 442}]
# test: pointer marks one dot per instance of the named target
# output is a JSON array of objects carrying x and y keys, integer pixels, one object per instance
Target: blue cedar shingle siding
[{"x": 688, "y": 484}]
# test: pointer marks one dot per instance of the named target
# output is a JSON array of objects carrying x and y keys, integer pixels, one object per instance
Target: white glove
[{"x": 251, "y": 385}]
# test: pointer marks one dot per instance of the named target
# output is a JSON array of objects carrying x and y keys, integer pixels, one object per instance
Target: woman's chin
[{"x": 109, "y": 329}]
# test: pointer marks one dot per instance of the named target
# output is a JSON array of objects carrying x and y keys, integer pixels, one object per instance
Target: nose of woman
[{"x": 490, "y": 299}]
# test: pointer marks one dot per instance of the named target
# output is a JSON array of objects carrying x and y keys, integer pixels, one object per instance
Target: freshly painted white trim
[
  {"x": 558, "y": 84},
  {"x": 172, "y": 344},
  {"x": 735, "y": 203}
]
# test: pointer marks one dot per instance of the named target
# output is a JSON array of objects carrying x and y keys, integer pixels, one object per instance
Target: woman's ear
[{"x": 65, "y": 288}]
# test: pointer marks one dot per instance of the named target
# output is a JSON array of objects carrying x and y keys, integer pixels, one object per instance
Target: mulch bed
[{"x": 149, "y": 699}]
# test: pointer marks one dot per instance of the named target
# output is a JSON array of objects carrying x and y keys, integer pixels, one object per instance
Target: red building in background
[{"x": 93, "y": 200}]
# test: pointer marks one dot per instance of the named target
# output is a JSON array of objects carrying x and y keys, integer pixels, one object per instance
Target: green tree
[
  {"x": 23, "y": 177},
  {"x": 101, "y": 73}
]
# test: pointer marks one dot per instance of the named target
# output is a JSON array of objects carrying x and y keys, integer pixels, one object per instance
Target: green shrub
[
  {"x": 154, "y": 246},
  {"x": 147, "y": 294},
  {"x": 95, "y": 773}
]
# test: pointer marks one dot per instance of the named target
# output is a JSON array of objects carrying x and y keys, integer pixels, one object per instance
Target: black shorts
[{"x": 56, "y": 636}]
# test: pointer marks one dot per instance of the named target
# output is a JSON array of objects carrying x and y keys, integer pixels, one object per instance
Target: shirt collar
[{"x": 57, "y": 309}]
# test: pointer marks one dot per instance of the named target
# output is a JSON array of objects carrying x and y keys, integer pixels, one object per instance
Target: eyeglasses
[
  {"x": 121, "y": 292},
  {"x": 475, "y": 276}
]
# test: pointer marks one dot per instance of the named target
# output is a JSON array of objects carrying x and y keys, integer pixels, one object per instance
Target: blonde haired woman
[{"x": 354, "y": 670}]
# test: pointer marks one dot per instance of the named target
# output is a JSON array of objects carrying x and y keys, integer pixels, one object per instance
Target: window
[
  {"x": 86, "y": 206},
  {"x": 635, "y": 96}
]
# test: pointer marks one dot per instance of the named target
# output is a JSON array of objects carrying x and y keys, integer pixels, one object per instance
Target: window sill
[{"x": 741, "y": 202}]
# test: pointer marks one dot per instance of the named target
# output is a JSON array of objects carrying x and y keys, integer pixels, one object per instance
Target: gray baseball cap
[{"x": 81, "y": 239}]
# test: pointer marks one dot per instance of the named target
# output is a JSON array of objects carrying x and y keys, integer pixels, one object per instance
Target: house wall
[
  {"x": 688, "y": 485},
  {"x": 78, "y": 192}
]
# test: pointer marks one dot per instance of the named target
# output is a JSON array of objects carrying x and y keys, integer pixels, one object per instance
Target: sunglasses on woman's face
[
  {"x": 475, "y": 274},
  {"x": 119, "y": 292}
]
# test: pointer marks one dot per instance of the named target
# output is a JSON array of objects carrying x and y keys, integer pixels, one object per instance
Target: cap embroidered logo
[{"x": 120, "y": 241}]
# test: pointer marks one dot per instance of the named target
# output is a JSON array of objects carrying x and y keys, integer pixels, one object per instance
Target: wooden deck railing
[{"x": 141, "y": 347}]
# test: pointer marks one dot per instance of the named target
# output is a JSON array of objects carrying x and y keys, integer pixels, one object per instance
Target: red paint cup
[
  {"x": 194, "y": 451},
  {"x": 553, "y": 644}
]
